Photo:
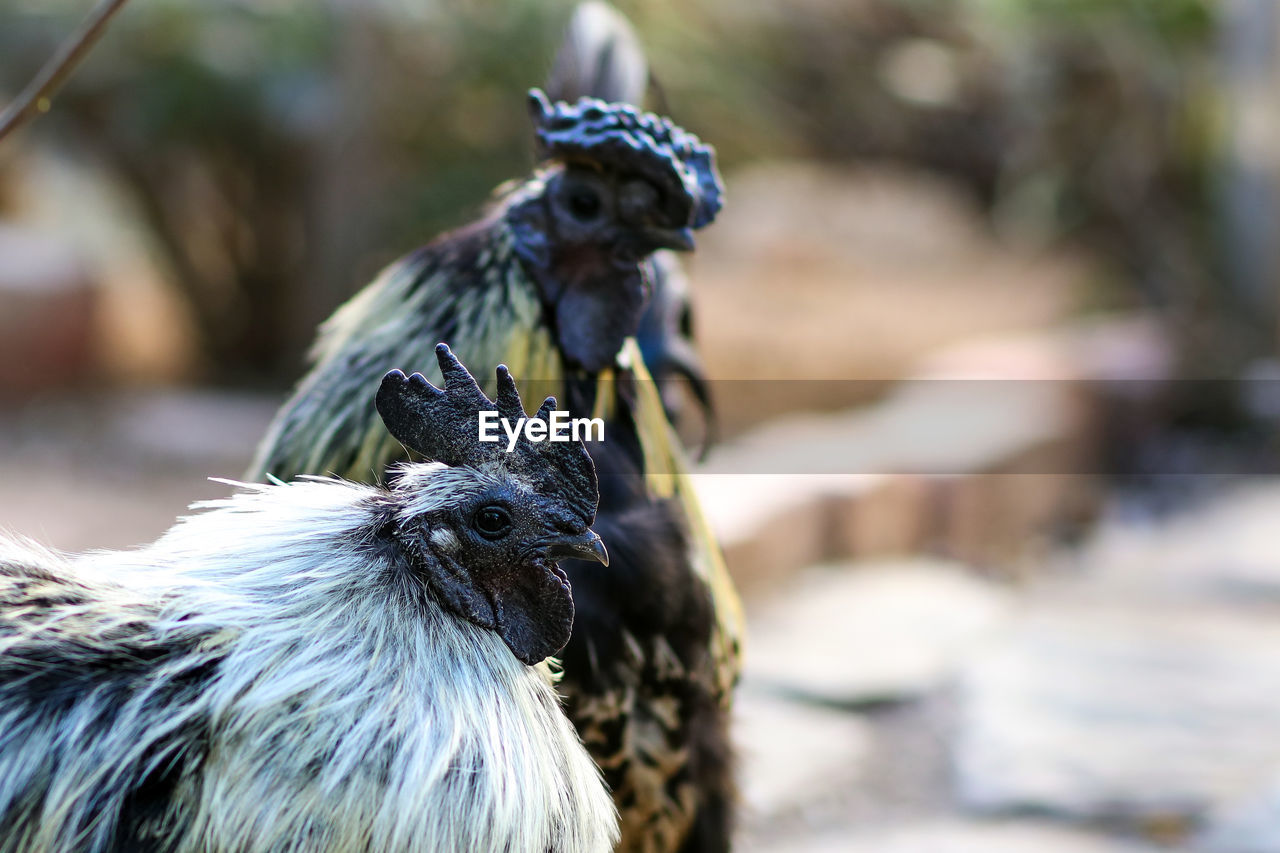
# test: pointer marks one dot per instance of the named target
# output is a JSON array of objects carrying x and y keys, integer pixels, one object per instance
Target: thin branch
[{"x": 39, "y": 92}]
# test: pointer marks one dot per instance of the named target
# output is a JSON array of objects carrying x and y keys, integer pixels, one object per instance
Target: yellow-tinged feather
[{"x": 666, "y": 472}]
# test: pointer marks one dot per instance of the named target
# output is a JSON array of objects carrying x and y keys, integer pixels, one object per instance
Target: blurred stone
[
  {"x": 1249, "y": 826},
  {"x": 1133, "y": 351},
  {"x": 1002, "y": 522},
  {"x": 769, "y": 525},
  {"x": 931, "y": 426},
  {"x": 866, "y": 632},
  {"x": 892, "y": 518},
  {"x": 78, "y": 507},
  {"x": 1227, "y": 551},
  {"x": 790, "y": 753},
  {"x": 111, "y": 471},
  {"x": 1152, "y": 714},
  {"x": 954, "y": 836},
  {"x": 977, "y": 469},
  {"x": 47, "y": 313}
]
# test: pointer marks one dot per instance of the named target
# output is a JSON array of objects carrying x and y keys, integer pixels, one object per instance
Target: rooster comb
[
  {"x": 444, "y": 426},
  {"x": 619, "y": 135}
]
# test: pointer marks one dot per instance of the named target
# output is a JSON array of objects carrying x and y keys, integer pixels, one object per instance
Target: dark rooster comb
[
  {"x": 444, "y": 426},
  {"x": 619, "y": 135}
]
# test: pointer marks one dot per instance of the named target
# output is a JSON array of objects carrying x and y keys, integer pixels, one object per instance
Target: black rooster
[{"x": 552, "y": 281}]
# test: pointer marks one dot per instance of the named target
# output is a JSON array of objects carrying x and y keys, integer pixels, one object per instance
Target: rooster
[
  {"x": 317, "y": 666},
  {"x": 553, "y": 281}
]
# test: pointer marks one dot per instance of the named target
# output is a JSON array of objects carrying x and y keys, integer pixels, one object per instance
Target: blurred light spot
[
  {"x": 230, "y": 49},
  {"x": 921, "y": 71}
]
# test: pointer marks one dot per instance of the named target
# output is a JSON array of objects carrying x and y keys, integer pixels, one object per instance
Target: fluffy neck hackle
[
  {"x": 347, "y": 710},
  {"x": 406, "y": 723}
]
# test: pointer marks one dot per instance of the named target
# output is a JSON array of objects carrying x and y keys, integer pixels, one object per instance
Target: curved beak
[
  {"x": 585, "y": 546},
  {"x": 679, "y": 239}
]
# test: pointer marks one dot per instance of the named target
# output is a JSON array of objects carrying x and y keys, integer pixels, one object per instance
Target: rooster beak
[
  {"x": 585, "y": 546},
  {"x": 679, "y": 239}
]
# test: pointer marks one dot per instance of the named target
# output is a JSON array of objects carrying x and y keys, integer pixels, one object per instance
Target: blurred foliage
[
  {"x": 1112, "y": 113},
  {"x": 283, "y": 150},
  {"x": 1091, "y": 121},
  {"x": 280, "y": 152},
  {"x": 1097, "y": 122}
]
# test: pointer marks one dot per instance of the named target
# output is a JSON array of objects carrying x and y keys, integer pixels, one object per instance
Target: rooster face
[
  {"x": 619, "y": 184},
  {"x": 620, "y": 215},
  {"x": 487, "y": 546},
  {"x": 584, "y": 238},
  {"x": 485, "y": 533}
]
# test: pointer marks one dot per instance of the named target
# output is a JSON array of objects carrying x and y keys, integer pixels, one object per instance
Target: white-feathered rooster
[{"x": 318, "y": 666}]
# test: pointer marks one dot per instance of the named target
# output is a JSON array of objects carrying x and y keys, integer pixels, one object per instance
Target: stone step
[
  {"x": 1154, "y": 714},
  {"x": 850, "y": 634},
  {"x": 791, "y": 753},
  {"x": 983, "y": 455},
  {"x": 947, "y": 835},
  {"x": 1226, "y": 551}
]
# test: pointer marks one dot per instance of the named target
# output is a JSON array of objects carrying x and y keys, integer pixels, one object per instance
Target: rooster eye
[
  {"x": 492, "y": 522},
  {"x": 584, "y": 204}
]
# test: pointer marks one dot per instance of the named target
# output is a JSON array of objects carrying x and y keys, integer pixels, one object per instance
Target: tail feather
[{"x": 600, "y": 57}]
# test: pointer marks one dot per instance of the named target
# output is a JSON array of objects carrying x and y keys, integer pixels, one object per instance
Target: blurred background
[{"x": 1004, "y": 517}]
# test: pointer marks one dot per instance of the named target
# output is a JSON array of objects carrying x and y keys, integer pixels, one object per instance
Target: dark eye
[
  {"x": 492, "y": 522},
  {"x": 584, "y": 203}
]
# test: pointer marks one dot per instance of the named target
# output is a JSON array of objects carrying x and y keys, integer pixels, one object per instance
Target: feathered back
[{"x": 330, "y": 425}]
